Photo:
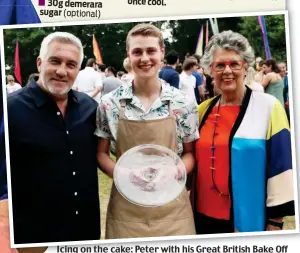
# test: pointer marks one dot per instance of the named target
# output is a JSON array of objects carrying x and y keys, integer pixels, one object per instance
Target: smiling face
[
  {"x": 59, "y": 68},
  {"x": 145, "y": 55},
  {"x": 228, "y": 80}
]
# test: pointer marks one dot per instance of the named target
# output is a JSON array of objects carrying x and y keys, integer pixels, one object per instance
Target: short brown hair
[
  {"x": 90, "y": 62},
  {"x": 145, "y": 29},
  {"x": 189, "y": 63}
]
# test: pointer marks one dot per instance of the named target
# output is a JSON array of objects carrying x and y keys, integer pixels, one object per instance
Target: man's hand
[{"x": 4, "y": 229}]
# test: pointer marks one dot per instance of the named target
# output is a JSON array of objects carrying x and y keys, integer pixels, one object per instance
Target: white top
[
  {"x": 256, "y": 86},
  {"x": 102, "y": 75},
  {"x": 12, "y": 88},
  {"x": 187, "y": 84},
  {"x": 87, "y": 81}
]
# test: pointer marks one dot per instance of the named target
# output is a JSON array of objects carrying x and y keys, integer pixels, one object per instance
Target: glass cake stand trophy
[{"x": 150, "y": 175}]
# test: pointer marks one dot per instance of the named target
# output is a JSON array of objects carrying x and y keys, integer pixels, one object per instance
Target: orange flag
[
  {"x": 206, "y": 34},
  {"x": 96, "y": 51}
]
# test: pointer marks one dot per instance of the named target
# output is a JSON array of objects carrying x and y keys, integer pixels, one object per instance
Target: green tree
[{"x": 275, "y": 25}]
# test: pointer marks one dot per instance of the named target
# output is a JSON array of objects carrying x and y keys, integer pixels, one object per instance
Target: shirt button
[
  {"x": 71, "y": 152},
  {"x": 58, "y": 113},
  {"x": 67, "y": 132},
  {"x": 76, "y": 212},
  {"x": 74, "y": 173},
  {"x": 75, "y": 193}
]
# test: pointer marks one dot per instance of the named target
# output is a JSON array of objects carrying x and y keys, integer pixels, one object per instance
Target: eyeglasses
[{"x": 220, "y": 66}]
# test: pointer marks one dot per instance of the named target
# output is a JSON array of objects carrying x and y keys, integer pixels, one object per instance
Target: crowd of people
[
  {"x": 224, "y": 119},
  {"x": 97, "y": 80}
]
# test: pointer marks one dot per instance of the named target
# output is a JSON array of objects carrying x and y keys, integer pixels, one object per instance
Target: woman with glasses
[
  {"x": 243, "y": 180},
  {"x": 12, "y": 85}
]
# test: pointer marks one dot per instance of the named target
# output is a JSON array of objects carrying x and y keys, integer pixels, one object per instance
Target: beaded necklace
[{"x": 213, "y": 148}]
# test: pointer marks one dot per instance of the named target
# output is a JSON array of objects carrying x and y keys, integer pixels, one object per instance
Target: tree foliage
[
  {"x": 112, "y": 39},
  {"x": 275, "y": 24}
]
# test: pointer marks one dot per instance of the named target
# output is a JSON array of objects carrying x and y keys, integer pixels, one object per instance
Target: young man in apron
[{"x": 147, "y": 111}]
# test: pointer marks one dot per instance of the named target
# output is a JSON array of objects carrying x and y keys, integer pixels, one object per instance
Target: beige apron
[{"x": 127, "y": 220}]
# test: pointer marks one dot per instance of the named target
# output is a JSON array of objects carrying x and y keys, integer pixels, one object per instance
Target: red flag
[
  {"x": 96, "y": 51},
  {"x": 206, "y": 34},
  {"x": 17, "y": 64}
]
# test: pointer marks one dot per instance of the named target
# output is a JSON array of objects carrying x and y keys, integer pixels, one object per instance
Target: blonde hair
[
  {"x": 10, "y": 78},
  {"x": 127, "y": 65},
  {"x": 145, "y": 30}
]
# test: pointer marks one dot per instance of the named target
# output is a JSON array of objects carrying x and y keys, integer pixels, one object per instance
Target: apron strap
[
  {"x": 169, "y": 108},
  {"x": 122, "y": 109}
]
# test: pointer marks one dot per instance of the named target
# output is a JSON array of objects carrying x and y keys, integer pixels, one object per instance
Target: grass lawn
[{"x": 104, "y": 190}]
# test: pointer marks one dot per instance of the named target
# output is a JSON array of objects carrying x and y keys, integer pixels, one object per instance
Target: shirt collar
[
  {"x": 40, "y": 97},
  {"x": 126, "y": 91}
]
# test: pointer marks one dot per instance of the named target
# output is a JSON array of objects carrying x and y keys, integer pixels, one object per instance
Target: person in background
[
  {"x": 120, "y": 74},
  {"x": 55, "y": 192},
  {"x": 12, "y": 85},
  {"x": 168, "y": 72},
  {"x": 244, "y": 177},
  {"x": 32, "y": 77},
  {"x": 101, "y": 70},
  {"x": 147, "y": 111},
  {"x": 127, "y": 78},
  {"x": 187, "y": 81},
  {"x": 259, "y": 72},
  {"x": 199, "y": 88},
  {"x": 110, "y": 83},
  {"x": 209, "y": 87},
  {"x": 250, "y": 80},
  {"x": 89, "y": 81},
  {"x": 284, "y": 75},
  {"x": 272, "y": 81},
  {"x": 258, "y": 63}
]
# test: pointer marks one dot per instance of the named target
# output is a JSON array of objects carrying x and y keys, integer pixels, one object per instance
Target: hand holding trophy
[{"x": 150, "y": 175}]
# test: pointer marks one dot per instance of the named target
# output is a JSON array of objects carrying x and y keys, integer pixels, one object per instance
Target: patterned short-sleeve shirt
[{"x": 183, "y": 109}]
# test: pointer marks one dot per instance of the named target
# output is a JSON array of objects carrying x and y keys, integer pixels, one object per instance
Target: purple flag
[{"x": 262, "y": 24}]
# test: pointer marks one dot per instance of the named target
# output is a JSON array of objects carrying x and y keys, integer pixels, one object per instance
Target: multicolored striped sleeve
[{"x": 280, "y": 188}]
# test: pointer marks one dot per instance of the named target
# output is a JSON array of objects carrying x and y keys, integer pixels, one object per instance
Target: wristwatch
[{"x": 275, "y": 223}]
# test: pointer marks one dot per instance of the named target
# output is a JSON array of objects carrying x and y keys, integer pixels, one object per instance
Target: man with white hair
[{"x": 53, "y": 150}]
